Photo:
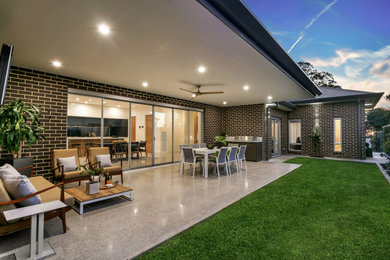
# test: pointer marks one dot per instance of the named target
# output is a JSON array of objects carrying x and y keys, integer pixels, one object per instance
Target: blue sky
[{"x": 349, "y": 38}]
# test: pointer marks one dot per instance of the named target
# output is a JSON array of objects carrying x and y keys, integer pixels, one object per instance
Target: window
[
  {"x": 337, "y": 134},
  {"x": 295, "y": 138}
]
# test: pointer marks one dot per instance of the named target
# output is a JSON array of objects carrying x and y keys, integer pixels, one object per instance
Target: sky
[{"x": 348, "y": 38}]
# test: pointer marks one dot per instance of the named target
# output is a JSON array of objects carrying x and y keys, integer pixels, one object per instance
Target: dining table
[{"x": 206, "y": 152}]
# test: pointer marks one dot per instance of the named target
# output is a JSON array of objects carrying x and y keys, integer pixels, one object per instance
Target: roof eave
[{"x": 238, "y": 17}]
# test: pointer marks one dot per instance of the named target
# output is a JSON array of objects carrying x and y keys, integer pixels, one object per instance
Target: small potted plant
[
  {"x": 220, "y": 141},
  {"x": 19, "y": 124},
  {"x": 93, "y": 172},
  {"x": 316, "y": 140}
]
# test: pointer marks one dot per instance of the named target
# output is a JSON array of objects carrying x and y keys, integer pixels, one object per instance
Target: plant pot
[
  {"x": 18, "y": 163},
  {"x": 92, "y": 187}
]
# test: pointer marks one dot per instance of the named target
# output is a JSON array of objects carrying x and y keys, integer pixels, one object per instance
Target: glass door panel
[
  {"x": 275, "y": 131},
  {"x": 116, "y": 130},
  {"x": 163, "y": 135},
  {"x": 141, "y": 135},
  {"x": 83, "y": 124},
  {"x": 195, "y": 127},
  {"x": 180, "y": 130}
]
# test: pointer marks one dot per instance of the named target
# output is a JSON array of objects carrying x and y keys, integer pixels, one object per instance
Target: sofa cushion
[
  {"x": 104, "y": 159},
  {"x": 4, "y": 197},
  {"x": 72, "y": 174},
  {"x": 69, "y": 163},
  {"x": 113, "y": 169},
  {"x": 8, "y": 169},
  {"x": 41, "y": 183},
  {"x": 20, "y": 186}
]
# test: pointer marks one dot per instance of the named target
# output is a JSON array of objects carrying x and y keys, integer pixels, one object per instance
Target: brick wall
[
  {"x": 50, "y": 91},
  {"x": 326, "y": 113}
]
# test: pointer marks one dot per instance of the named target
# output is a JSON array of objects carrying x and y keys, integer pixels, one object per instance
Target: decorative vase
[{"x": 92, "y": 187}]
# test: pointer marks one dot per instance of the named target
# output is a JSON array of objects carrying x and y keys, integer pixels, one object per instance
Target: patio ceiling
[{"x": 160, "y": 42}]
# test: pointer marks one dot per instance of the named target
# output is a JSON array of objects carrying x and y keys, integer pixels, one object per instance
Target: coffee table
[{"x": 83, "y": 198}]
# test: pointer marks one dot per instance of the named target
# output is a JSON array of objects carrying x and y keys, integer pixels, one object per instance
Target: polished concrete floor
[{"x": 165, "y": 204}]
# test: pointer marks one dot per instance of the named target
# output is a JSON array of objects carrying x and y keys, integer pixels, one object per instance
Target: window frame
[
  {"x": 292, "y": 121},
  {"x": 334, "y": 135}
]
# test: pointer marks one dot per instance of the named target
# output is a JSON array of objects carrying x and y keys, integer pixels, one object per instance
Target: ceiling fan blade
[
  {"x": 213, "y": 92},
  {"x": 188, "y": 90},
  {"x": 213, "y": 84},
  {"x": 187, "y": 82}
]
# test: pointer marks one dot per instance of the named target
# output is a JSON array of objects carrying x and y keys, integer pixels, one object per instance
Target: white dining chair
[
  {"x": 191, "y": 159},
  {"x": 181, "y": 146},
  {"x": 220, "y": 159},
  {"x": 195, "y": 145},
  {"x": 232, "y": 158},
  {"x": 203, "y": 145},
  {"x": 241, "y": 156}
]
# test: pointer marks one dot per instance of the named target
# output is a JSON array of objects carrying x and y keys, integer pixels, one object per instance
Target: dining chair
[
  {"x": 191, "y": 159},
  {"x": 231, "y": 144},
  {"x": 232, "y": 158},
  {"x": 220, "y": 159},
  {"x": 142, "y": 148},
  {"x": 195, "y": 145},
  {"x": 181, "y": 146},
  {"x": 241, "y": 156},
  {"x": 203, "y": 145}
]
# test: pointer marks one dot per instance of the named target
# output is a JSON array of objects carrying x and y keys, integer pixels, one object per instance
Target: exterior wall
[
  {"x": 324, "y": 115},
  {"x": 51, "y": 91},
  {"x": 247, "y": 120}
]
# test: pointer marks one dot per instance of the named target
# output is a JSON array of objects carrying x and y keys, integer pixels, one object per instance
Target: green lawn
[{"x": 325, "y": 209}]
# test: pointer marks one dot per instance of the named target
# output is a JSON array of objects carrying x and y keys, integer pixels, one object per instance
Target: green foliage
[
  {"x": 387, "y": 97},
  {"x": 316, "y": 139},
  {"x": 326, "y": 209},
  {"x": 375, "y": 143},
  {"x": 220, "y": 141},
  {"x": 377, "y": 118},
  {"x": 320, "y": 78},
  {"x": 19, "y": 123},
  {"x": 91, "y": 171},
  {"x": 386, "y": 146}
]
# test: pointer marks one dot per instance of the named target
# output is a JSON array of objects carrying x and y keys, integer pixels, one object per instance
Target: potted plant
[
  {"x": 19, "y": 124},
  {"x": 220, "y": 141},
  {"x": 93, "y": 172},
  {"x": 317, "y": 140}
]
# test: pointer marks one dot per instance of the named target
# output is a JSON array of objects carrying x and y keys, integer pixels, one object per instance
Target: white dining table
[{"x": 206, "y": 152}]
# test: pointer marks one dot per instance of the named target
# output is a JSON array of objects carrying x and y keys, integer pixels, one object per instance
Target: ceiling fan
[{"x": 199, "y": 93}]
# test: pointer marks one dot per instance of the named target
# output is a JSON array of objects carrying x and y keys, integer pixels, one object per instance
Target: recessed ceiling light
[
  {"x": 224, "y": 102},
  {"x": 368, "y": 104},
  {"x": 269, "y": 97},
  {"x": 86, "y": 102},
  {"x": 56, "y": 63},
  {"x": 145, "y": 84},
  {"x": 193, "y": 95},
  {"x": 104, "y": 29},
  {"x": 246, "y": 87},
  {"x": 201, "y": 69},
  {"x": 77, "y": 99}
]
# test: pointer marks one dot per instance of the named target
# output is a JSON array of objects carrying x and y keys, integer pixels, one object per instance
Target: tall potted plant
[
  {"x": 19, "y": 124},
  {"x": 316, "y": 140}
]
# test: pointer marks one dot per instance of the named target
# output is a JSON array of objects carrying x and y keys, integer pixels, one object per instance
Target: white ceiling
[{"x": 158, "y": 41}]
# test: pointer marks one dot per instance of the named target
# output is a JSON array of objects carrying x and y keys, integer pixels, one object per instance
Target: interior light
[
  {"x": 56, "y": 64},
  {"x": 193, "y": 95},
  {"x": 104, "y": 102},
  {"x": 118, "y": 105},
  {"x": 201, "y": 69},
  {"x": 104, "y": 29},
  {"x": 145, "y": 84},
  {"x": 368, "y": 104},
  {"x": 246, "y": 87},
  {"x": 77, "y": 99},
  {"x": 269, "y": 97},
  {"x": 89, "y": 100},
  {"x": 86, "y": 102},
  {"x": 224, "y": 102}
]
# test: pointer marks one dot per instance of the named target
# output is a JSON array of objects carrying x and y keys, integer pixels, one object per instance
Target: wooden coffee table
[{"x": 83, "y": 198}]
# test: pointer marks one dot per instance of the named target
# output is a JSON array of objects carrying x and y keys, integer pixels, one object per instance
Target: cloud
[
  {"x": 342, "y": 56},
  {"x": 381, "y": 69},
  {"x": 313, "y": 20}
]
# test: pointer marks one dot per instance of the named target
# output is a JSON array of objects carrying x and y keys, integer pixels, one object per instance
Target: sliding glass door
[{"x": 139, "y": 135}]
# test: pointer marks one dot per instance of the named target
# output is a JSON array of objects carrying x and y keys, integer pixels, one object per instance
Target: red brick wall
[{"x": 51, "y": 92}]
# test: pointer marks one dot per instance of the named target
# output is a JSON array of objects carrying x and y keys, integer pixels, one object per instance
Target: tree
[
  {"x": 377, "y": 118},
  {"x": 320, "y": 78},
  {"x": 387, "y": 97}
]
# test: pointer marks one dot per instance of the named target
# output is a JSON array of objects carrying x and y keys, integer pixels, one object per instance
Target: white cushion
[
  {"x": 104, "y": 159},
  {"x": 20, "y": 186},
  {"x": 8, "y": 169},
  {"x": 69, "y": 163}
]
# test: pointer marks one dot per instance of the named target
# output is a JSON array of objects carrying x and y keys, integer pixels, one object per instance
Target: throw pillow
[
  {"x": 8, "y": 169},
  {"x": 104, "y": 159},
  {"x": 20, "y": 186},
  {"x": 69, "y": 163},
  {"x": 4, "y": 197}
]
